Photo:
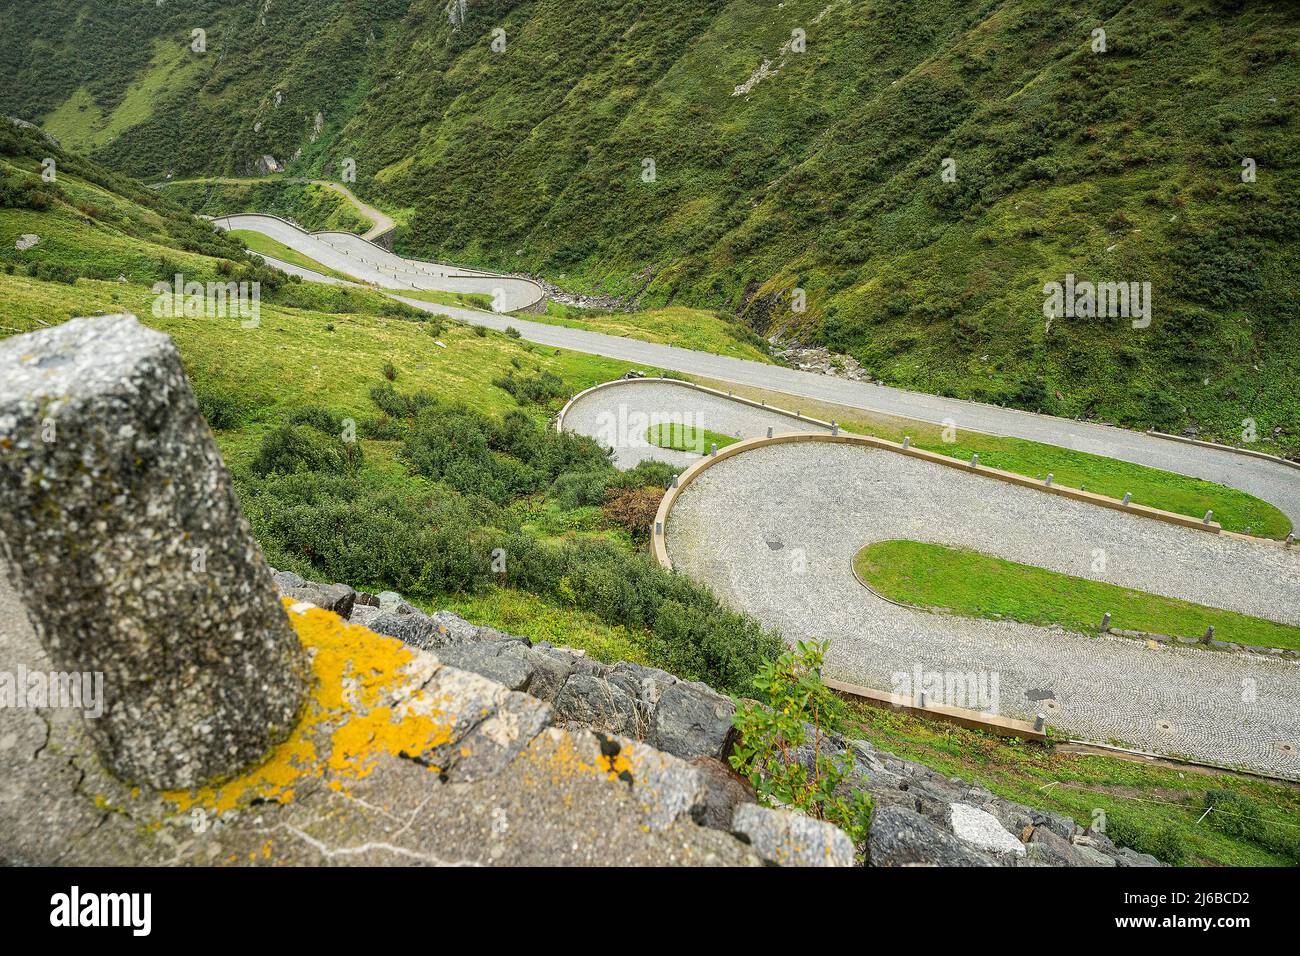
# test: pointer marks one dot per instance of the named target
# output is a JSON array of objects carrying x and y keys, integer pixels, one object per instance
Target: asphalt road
[
  {"x": 773, "y": 531},
  {"x": 1270, "y": 481}
]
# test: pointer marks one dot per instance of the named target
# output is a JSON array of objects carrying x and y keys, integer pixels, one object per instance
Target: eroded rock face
[{"x": 132, "y": 557}]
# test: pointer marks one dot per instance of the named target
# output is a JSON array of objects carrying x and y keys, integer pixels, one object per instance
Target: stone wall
[{"x": 921, "y": 817}]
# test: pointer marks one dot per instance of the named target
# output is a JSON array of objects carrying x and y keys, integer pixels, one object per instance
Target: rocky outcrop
[{"x": 921, "y": 817}]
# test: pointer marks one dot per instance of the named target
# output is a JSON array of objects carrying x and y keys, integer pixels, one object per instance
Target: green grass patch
[
  {"x": 1234, "y": 510},
  {"x": 312, "y": 205},
  {"x": 465, "y": 300},
  {"x": 698, "y": 329},
  {"x": 972, "y": 584},
  {"x": 1153, "y": 808},
  {"x": 264, "y": 245},
  {"x": 527, "y": 614},
  {"x": 682, "y": 437}
]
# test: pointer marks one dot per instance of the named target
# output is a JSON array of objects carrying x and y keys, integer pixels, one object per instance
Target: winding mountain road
[
  {"x": 1270, "y": 480},
  {"x": 773, "y": 530},
  {"x": 372, "y": 264},
  {"x": 737, "y": 525}
]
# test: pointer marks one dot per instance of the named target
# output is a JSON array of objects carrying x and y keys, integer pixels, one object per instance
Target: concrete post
[
  {"x": 130, "y": 553},
  {"x": 1105, "y": 622},
  {"x": 1209, "y": 635},
  {"x": 1050, "y": 476},
  {"x": 1128, "y": 496},
  {"x": 1040, "y": 722},
  {"x": 1208, "y": 516},
  {"x": 769, "y": 431},
  {"x": 713, "y": 449},
  {"x": 975, "y": 460},
  {"x": 835, "y": 428}
]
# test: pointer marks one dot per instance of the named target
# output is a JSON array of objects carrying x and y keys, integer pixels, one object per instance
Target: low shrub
[{"x": 783, "y": 747}]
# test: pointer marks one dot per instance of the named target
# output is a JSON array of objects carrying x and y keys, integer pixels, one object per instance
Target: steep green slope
[
  {"x": 821, "y": 172},
  {"x": 320, "y": 353}
]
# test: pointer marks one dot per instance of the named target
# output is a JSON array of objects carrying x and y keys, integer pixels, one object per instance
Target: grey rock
[
  {"x": 724, "y": 791},
  {"x": 1046, "y": 848},
  {"x": 790, "y": 839},
  {"x": 982, "y": 829},
  {"x": 510, "y": 665},
  {"x": 1060, "y": 824},
  {"x": 338, "y": 598},
  {"x": 414, "y": 629},
  {"x": 549, "y": 675},
  {"x": 132, "y": 557},
  {"x": 1125, "y": 856},
  {"x": 364, "y": 614},
  {"x": 902, "y": 837},
  {"x": 691, "y": 720},
  {"x": 453, "y": 629},
  {"x": 593, "y": 702},
  {"x": 1093, "y": 855},
  {"x": 286, "y": 580},
  {"x": 647, "y": 683}
]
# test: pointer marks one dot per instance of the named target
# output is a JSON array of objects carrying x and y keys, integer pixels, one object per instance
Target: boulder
[
  {"x": 593, "y": 702},
  {"x": 1125, "y": 856},
  {"x": 338, "y": 598},
  {"x": 647, "y": 684},
  {"x": 982, "y": 829},
  {"x": 691, "y": 720},
  {"x": 724, "y": 791},
  {"x": 414, "y": 629},
  {"x": 1046, "y": 848},
  {"x": 364, "y": 614},
  {"x": 451, "y": 629},
  {"x": 790, "y": 839},
  {"x": 902, "y": 837},
  {"x": 509, "y": 664},
  {"x": 549, "y": 675},
  {"x": 286, "y": 580}
]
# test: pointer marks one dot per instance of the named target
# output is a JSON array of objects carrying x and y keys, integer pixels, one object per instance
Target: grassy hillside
[
  {"x": 823, "y": 174},
  {"x": 408, "y": 508},
  {"x": 312, "y": 206}
]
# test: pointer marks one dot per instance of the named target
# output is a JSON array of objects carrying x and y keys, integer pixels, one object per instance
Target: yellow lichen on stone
[{"x": 353, "y": 711}]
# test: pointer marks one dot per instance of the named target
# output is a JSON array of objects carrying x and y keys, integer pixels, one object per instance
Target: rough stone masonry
[{"x": 128, "y": 548}]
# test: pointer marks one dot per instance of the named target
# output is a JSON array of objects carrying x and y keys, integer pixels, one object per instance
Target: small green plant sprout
[{"x": 784, "y": 747}]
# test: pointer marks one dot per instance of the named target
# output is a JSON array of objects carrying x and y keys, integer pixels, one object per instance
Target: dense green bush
[
  {"x": 1241, "y": 817},
  {"x": 291, "y": 448},
  {"x": 499, "y": 460},
  {"x": 313, "y": 507},
  {"x": 221, "y": 411},
  {"x": 534, "y": 390}
]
